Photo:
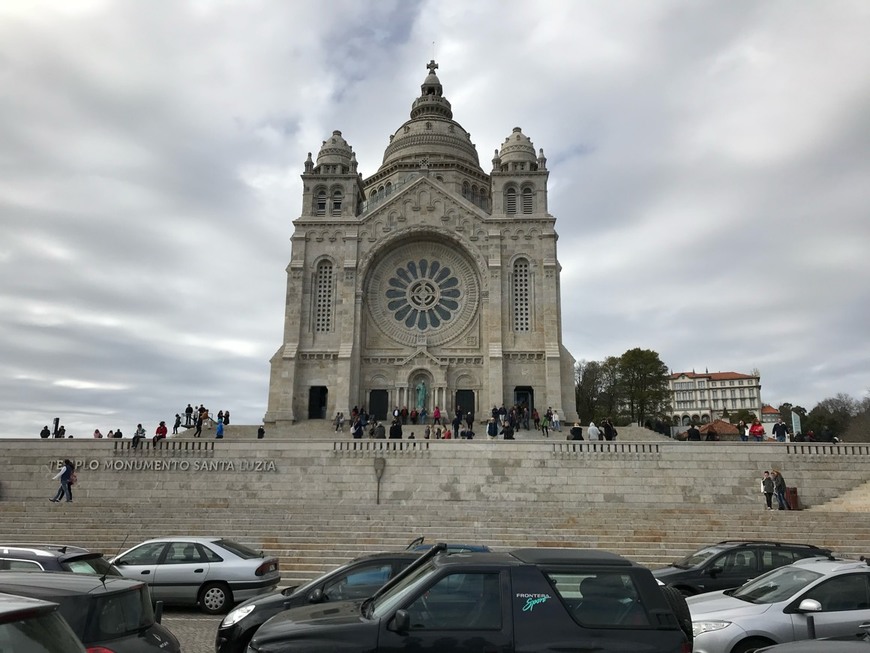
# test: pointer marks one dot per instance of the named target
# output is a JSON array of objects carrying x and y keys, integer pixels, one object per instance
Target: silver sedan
[
  {"x": 779, "y": 606},
  {"x": 213, "y": 572}
]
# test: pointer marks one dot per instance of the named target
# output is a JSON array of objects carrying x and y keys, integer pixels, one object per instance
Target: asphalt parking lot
[{"x": 195, "y": 630}]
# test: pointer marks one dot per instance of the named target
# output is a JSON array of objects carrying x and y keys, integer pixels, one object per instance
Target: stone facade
[{"x": 431, "y": 283}]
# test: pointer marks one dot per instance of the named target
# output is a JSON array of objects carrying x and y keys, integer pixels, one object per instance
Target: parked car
[
  {"x": 357, "y": 579},
  {"x": 31, "y": 625},
  {"x": 212, "y": 572},
  {"x": 731, "y": 563},
  {"x": 528, "y": 599},
  {"x": 54, "y": 557},
  {"x": 834, "y": 645},
  {"x": 107, "y": 613},
  {"x": 775, "y": 608}
]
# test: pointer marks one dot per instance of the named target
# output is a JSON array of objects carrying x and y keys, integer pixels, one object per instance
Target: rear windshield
[
  {"x": 108, "y": 616},
  {"x": 239, "y": 549},
  {"x": 46, "y": 633},
  {"x": 94, "y": 564}
]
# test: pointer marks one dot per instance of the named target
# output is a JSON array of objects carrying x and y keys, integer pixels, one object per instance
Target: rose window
[{"x": 423, "y": 294}]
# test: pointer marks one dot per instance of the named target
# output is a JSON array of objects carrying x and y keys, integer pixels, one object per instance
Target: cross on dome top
[{"x": 432, "y": 66}]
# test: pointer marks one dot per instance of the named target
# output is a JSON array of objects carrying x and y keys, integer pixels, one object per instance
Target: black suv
[
  {"x": 107, "y": 613},
  {"x": 357, "y": 579},
  {"x": 526, "y": 600},
  {"x": 54, "y": 557},
  {"x": 731, "y": 563},
  {"x": 30, "y": 625}
]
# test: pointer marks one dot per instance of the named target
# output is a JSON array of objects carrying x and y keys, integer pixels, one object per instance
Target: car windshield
[
  {"x": 47, "y": 633},
  {"x": 239, "y": 549},
  {"x": 698, "y": 557},
  {"x": 777, "y": 585},
  {"x": 93, "y": 564},
  {"x": 118, "y": 614},
  {"x": 405, "y": 587}
]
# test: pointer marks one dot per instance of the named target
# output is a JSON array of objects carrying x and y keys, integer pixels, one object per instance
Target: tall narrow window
[
  {"x": 336, "y": 202},
  {"x": 465, "y": 190},
  {"x": 521, "y": 301},
  {"x": 320, "y": 204},
  {"x": 323, "y": 297},
  {"x": 528, "y": 200},
  {"x": 389, "y": 189},
  {"x": 511, "y": 201}
]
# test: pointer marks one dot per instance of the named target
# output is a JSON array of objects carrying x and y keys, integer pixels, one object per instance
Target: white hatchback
[{"x": 777, "y": 606}]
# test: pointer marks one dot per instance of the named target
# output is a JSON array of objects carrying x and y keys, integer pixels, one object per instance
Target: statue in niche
[{"x": 421, "y": 395}]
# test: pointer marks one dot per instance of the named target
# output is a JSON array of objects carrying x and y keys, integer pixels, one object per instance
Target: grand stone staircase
[{"x": 645, "y": 497}]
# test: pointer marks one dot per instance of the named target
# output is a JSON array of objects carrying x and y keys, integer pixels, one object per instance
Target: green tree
[
  {"x": 859, "y": 426},
  {"x": 743, "y": 414},
  {"x": 587, "y": 388},
  {"x": 611, "y": 395},
  {"x": 833, "y": 415},
  {"x": 785, "y": 412},
  {"x": 643, "y": 384}
]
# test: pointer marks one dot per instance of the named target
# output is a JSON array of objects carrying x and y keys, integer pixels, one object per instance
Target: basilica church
[{"x": 430, "y": 283}]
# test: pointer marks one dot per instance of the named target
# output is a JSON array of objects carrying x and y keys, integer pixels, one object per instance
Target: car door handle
[
  {"x": 198, "y": 571},
  {"x": 147, "y": 571}
]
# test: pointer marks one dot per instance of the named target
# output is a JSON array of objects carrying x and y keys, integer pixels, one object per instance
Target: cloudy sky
[{"x": 710, "y": 174}]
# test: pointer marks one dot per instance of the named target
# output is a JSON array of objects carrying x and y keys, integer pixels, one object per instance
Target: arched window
[
  {"x": 389, "y": 189},
  {"x": 320, "y": 203},
  {"x": 465, "y": 190},
  {"x": 520, "y": 292},
  {"x": 528, "y": 200},
  {"x": 336, "y": 202},
  {"x": 323, "y": 283},
  {"x": 381, "y": 193},
  {"x": 510, "y": 201}
]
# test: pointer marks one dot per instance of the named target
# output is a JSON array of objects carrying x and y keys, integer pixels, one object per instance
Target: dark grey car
[
  {"x": 34, "y": 626},
  {"x": 103, "y": 611},
  {"x": 731, "y": 563}
]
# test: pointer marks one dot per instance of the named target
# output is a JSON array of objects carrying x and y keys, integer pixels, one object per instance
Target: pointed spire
[{"x": 309, "y": 163}]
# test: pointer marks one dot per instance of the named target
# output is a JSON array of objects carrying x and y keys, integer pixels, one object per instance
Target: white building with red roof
[{"x": 701, "y": 398}]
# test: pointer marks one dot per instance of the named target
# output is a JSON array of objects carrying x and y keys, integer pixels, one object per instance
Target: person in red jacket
[
  {"x": 159, "y": 434},
  {"x": 757, "y": 431}
]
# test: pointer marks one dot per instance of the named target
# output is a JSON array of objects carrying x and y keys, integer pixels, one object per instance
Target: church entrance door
[
  {"x": 379, "y": 401},
  {"x": 524, "y": 395},
  {"x": 465, "y": 399},
  {"x": 317, "y": 402}
]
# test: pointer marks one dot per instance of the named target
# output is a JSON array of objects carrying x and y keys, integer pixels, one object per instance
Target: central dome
[{"x": 431, "y": 135}]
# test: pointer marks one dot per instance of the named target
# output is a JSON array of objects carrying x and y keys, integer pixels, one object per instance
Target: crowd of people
[{"x": 193, "y": 418}]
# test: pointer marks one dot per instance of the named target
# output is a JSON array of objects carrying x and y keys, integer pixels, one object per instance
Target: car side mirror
[
  {"x": 402, "y": 622},
  {"x": 714, "y": 571},
  {"x": 158, "y": 611},
  {"x": 809, "y": 605},
  {"x": 317, "y": 596}
]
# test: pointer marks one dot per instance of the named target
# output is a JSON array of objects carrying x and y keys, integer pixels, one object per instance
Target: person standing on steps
[
  {"x": 757, "y": 431},
  {"x": 779, "y": 489},
  {"x": 261, "y": 432},
  {"x": 767, "y": 488},
  {"x": 593, "y": 432},
  {"x": 66, "y": 481}
]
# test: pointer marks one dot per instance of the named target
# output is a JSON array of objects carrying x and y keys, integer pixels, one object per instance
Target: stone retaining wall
[{"x": 561, "y": 473}]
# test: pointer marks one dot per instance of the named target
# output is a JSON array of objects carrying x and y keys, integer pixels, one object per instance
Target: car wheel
[
  {"x": 215, "y": 598},
  {"x": 750, "y": 645},
  {"x": 680, "y": 608}
]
